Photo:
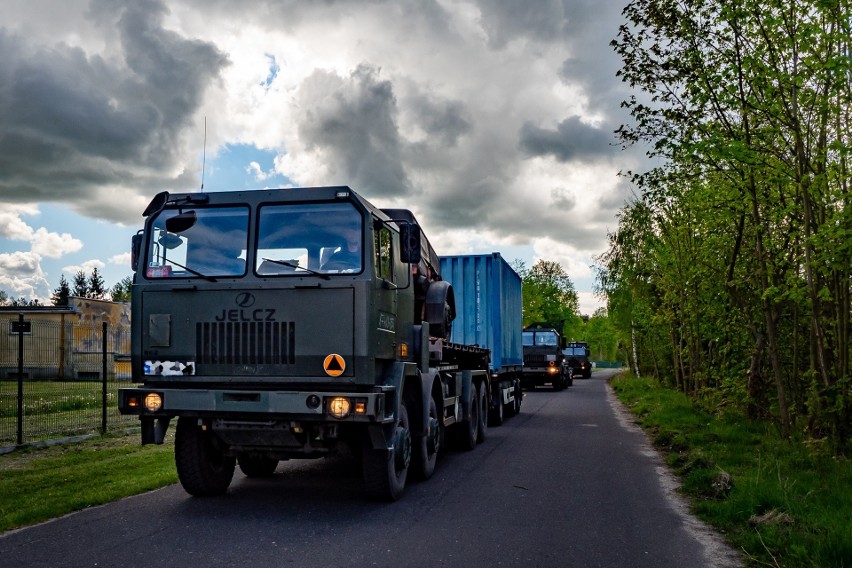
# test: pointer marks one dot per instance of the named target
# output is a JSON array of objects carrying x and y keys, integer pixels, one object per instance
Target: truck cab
[
  {"x": 577, "y": 356},
  {"x": 543, "y": 358},
  {"x": 278, "y": 324}
]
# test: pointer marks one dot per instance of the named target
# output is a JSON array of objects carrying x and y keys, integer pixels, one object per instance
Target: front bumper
[{"x": 372, "y": 407}]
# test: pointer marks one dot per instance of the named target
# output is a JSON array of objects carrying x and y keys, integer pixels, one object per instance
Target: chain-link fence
[{"x": 60, "y": 378}]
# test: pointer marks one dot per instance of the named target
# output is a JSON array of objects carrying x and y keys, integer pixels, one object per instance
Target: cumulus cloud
[
  {"x": 77, "y": 121},
  {"x": 492, "y": 120}
]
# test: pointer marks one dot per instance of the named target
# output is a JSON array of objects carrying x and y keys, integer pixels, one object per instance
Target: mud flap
[{"x": 154, "y": 429}]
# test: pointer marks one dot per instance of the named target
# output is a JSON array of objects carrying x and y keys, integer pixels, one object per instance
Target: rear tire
[
  {"x": 498, "y": 415},
  {"x": 484, "y": 407},
  {"x": 425, "y": 455},
  {"x": 469, "y": 429},
  {"x": 202, "y": 467}
]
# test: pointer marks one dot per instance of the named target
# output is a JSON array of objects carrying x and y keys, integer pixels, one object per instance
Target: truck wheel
[
  {"x": 425, "y": 455},
  {"x": 202, "y": 468},
  {"x": 385, "y": 472},
  {"x": 257, "y": 466},
  {"x": 484, "y": 408},
  {"x": 498, "y": 415},
  {"x": 519, "y": 398},
  {"x": 469, "y": 429}
]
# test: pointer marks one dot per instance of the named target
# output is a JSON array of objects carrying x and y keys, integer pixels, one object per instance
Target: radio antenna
[{"x": 204, "y": 153}]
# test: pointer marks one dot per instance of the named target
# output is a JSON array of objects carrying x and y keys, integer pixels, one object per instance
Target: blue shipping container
[{"x": 488, "y": 306}]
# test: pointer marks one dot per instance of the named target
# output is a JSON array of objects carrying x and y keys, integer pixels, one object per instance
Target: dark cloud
[
  {"x": 75, "y": 122},
  {"x": 507, "y": 20},
  {"x": 443, "y": 121},
  {"x": 353, "y": 121},
  {"x": 571, "y": 140}
]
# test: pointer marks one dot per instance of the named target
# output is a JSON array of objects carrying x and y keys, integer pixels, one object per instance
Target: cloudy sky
[{"x": 491, "y": 119}]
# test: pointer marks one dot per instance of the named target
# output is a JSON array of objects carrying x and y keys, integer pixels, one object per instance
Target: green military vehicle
[
  {"x": 543, "y": 358},
  {"x": 577, "y": 356},
  {"x": 283, "y": 323}
]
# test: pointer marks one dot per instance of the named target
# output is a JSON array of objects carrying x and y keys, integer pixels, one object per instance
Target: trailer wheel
[
  {"x": 257, "y": 466},
  {"x": 484, "y": 407},
  {"x": 202, "y": 467},
  {"x": 385, "y": 472},
  {"x": 427, "y": 448},
  {"x": 519, "y": 398},
  {"x": 469, "y": 429},
  {"x": 498, "y": 415}
]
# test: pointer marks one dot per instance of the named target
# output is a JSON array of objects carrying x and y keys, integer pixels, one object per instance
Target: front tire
[
  {"x": 202, "y": 467},
  {"x": 385, "y": 472}
]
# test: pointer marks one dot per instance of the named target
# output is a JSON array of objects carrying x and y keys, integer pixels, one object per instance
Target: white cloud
[
  {"x": 85, "y": 267},
  {"x": 54, "y": 245},
  {"x": 122, "y": 259}
]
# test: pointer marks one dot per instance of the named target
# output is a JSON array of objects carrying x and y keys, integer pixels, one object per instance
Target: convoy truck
[
  {"x": 265, "y": 346},
  {"x": 543, "y": 357},
  {"x": 489, "y": 314},
  {"x": 577, "y": 356}
]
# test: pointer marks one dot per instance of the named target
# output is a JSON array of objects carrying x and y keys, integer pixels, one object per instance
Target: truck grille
[
  {"x": 245, "y": 343},
  {"x": 535, "y": 360}
]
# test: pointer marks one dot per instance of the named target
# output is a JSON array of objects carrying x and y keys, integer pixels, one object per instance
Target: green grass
[
  {"x": 782, "y": 503},
  {"x": 38, "y": 484}
]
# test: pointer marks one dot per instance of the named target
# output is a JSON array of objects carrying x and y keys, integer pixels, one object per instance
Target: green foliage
[
  {"x": 729, "y": 275},
  {"x": 548, "y": 294},
  {"x": 61, "y": 293},
  {"x": 121, "y": 291}
]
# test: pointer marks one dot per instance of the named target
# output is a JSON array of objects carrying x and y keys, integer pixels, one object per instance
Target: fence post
[
  {"x": 20, "y": 433},
  {"x": 104, "y": 382}
]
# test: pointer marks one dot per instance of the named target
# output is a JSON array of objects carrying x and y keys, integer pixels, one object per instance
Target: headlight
[
  {"x": 339, "y": 407},
  {"x": 153, "y": 402}
]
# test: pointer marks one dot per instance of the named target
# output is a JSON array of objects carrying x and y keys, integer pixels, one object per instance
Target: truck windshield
[
  {"x": 299, "y": 239},
  {"x": 549, "y": 338},
  {"x": 214, "y": 245}
]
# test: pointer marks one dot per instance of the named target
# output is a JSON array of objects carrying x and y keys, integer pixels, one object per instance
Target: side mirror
[
  {"x": 135, "y": 249},
  {"x": 182, "y": 222},
  {"x": 157, "y": 203},
  {"x": 409, "y": 236}
]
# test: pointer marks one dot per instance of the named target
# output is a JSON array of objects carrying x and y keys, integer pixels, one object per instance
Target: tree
[
  {"x": 121, "y": 291},
  {"x": 548, "y": 295},
  {"x": 4, "y": 298},
  {"x": 61, "y": 293},
  {"x": 97, "y": 287},
  {"x": 81, "y": 285}
]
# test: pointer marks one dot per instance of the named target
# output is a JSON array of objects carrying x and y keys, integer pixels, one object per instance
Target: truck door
[{"x": 385, "y": 291}]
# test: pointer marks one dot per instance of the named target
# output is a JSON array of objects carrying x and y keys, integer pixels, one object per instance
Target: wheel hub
[{"x": 401, "y": 448}]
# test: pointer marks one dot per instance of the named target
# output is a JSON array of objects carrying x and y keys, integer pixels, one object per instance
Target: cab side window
[{"x": 384, "y": 256}]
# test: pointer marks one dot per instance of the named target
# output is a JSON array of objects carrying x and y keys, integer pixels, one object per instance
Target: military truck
[
  {"x": 577, "y": 357},
  {"x": 265, "y": 346},
  {"x": 543, "y": 358}
]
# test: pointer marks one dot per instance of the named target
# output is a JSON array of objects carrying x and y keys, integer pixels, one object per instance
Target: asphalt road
[{"x": 568, "y": 482}]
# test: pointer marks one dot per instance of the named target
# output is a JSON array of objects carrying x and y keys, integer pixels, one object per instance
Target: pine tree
[
  {"x": 81, "y": 285},
  {"x": 97, "y": 287},
  {"x": 61, "y": 293},
  {"x": 121, "y": 291}
]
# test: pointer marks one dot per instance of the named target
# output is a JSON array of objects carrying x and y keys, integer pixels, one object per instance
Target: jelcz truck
[
  {"x": 544, "y": 361},
  {"x": 490, "y": 314},
  {"x": 248, "y": 329}
]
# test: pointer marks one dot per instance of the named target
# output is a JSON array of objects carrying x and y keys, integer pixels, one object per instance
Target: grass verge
[
  {"x": 38, "y": 484},
  {"x": 783, "y": 503}
]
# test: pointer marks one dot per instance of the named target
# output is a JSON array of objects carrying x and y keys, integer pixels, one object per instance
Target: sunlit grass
[
  {"x": 783, "y": 503},
  {"x": 43, "y": 483}
]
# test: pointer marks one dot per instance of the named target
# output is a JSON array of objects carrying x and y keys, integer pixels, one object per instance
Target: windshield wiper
[
  {"x": 297, "y": 267},
  {"x": 208, "y": 278}
]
